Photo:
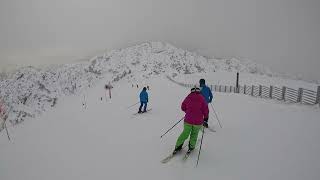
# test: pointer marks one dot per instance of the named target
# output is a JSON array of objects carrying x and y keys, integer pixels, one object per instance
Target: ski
[
  {"x": 211, "y": 129},
  {"x": 186, "y": 156},
  {"x": 142, "y": 112},
  {"x": 167, "y": 159}
]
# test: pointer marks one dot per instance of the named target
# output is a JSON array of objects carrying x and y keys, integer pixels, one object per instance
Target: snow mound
[
  {"x": 30, "y": 91},
  {"x": 151, "y": 59}
]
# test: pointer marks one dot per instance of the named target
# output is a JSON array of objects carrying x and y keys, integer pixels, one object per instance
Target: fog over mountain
[{"x": 281, "y": 34}]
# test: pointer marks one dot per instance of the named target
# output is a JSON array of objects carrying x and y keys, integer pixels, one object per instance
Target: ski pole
[
  {"x": 172, "y": 127},
  {"x": 133, "y": 105},
  {"x": 216, "y": 115},
  {"x": 200, "y": 147}
]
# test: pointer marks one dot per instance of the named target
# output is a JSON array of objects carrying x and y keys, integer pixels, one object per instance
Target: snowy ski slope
[{"x": 260, "y": 139}]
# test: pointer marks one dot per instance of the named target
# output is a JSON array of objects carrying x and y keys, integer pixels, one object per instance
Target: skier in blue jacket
[
  {"x": 143, "y": 100},
  {"x": 207, "y": 94}
]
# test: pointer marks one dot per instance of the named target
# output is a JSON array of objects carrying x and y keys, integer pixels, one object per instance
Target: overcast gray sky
[{"x": 282, "y": 34}]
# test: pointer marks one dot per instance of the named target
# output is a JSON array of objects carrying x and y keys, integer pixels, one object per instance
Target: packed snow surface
[{"x": 260, "y": 139}]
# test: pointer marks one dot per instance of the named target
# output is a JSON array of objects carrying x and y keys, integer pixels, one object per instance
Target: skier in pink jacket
[{"x": 196, "y": 109}]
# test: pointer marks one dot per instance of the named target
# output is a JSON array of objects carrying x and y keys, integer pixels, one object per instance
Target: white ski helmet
[{"x": 195, "y": 89}]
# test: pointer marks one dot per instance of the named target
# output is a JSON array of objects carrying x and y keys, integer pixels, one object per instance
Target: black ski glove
[{"x": 205, "y": 122}]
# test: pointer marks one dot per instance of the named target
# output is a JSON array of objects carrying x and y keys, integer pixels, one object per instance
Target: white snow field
[{"x": 260, "y": 139}]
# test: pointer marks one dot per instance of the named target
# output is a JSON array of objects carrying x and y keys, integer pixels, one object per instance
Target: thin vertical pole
[
  {"x": 5, "y": 126},
  {"x": 84, "y": 101},
  {"x": 284, "y": 93},
  {"x": 216, "y": 116},
  {"x": 237, "y": 84},
  {"x": 200, "y": 146},
  {"x": 4, "y": 123},
  {"x": 244, "y": 89},
  {"x": 260, "y": 90},
  {"x": 252, "y": 89},
  {"x": 270, "y": 92},
  {"x": 300, "y": 91},
  {"x": 318, "y": 96}
]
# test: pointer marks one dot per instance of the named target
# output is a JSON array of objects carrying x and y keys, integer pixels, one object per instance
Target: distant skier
[
  {"x": 108, "y": 87},
  {"x": 196, "y": 109},
  {"x": 207, "y": 94},
  {"x": 143, "y": 100}
]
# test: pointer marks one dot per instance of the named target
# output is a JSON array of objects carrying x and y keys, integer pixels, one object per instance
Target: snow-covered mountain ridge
[
  {"x": 154, "y": 58},
  {"x": 30, "y": 91}
]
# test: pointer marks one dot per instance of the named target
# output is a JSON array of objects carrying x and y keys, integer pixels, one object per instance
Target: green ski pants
[{"x": 193, "y": 131}]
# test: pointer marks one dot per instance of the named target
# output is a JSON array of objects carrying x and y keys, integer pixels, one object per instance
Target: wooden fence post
[
  {"x": 300, "y": 91},
  {"x": 225, "y": 89},
  {"x": 252, "y": 90},
  {"x": 284, "y": 93},
  {"x": 260, "y": 90},
  {"x": 318, "y": 96},
  {"x": 7, "y": 130},
  {"x": 237, "y": 83},
  {"x": 270, "y": 92},
  {"x": 244, "y": 89},
  {"x": 219, "y": 88}
]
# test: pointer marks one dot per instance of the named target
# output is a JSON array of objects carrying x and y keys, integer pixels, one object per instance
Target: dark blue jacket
[
  {"x": 144, "y": 96},
  {"x": 206, "y": 93}
]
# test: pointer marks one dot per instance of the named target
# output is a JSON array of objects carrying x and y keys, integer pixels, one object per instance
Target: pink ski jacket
[{"x": 196, "y": 108}]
